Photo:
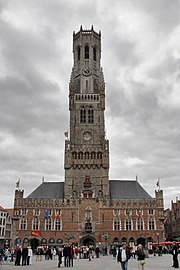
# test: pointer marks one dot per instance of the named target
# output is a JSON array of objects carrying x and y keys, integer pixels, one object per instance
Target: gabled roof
[
  {"x": 48, "y": 190},
  {"x": 127, "y": 189}
]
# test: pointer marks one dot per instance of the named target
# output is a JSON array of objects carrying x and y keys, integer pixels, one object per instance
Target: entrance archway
[
  {"x": 141, "y": 241},
  {"x": 34, "y": 244},
  {"x": 88, "y": 240}
]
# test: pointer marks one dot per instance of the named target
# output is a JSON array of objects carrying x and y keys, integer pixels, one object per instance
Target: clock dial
[
  {"x": 86, "y": 71},
  {"x": 87, "y": 136}
]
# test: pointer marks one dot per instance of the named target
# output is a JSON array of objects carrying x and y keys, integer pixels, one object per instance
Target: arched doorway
[
  {"x": 88, "y": 240},
  {"x": 34, "y": 244},
  {"x": 141, "y": 241}
]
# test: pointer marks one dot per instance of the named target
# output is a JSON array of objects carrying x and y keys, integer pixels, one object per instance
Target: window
[
  {"x": 79, "y": 52},
  {"x": 116, "y": 225},
  {"x": 86, "y": 87},
  {"x": 48, "y": 224},
  {"x": 87, "y": 194},
  {"x": 128, "y": 224},
  {"x": 36, "y": 212},
  {"x": 140, "y": 226},
  {"x": 88, "y": 227},
  {"x": 90, "y": 116},
  {"x": 99, "y": 155},
  {"x": 151, "y": 211},
  {"x": 24, "y": 211},
  {"x": 35, "y": 224},
  {"x": 151, "y": 224},
  {"x": 86, "y": 52},
  {"x": 57, "y": 225},
  {"x": 82, "y": 115},
  {"x": 94, "y": 54},
  {"x": 23, "y": 223}
]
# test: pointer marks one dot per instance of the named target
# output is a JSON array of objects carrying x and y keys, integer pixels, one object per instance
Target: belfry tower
[{"x": 86, "y": 151}]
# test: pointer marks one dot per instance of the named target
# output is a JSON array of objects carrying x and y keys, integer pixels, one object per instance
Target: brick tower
[{"x": 86, "y": 151}]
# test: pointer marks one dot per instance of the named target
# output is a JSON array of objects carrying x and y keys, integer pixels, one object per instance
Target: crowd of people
[
  {"x": 65, "y": 255},
  {"x": 124, "y": 253}
]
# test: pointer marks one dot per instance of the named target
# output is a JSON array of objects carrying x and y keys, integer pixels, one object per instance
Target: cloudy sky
[{"x": 141, "y": 63}]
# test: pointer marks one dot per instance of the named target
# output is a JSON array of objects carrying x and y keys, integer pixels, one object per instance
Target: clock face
[
  {"x": 86, "y": 71},
  {"x": 87, "y": 136}
]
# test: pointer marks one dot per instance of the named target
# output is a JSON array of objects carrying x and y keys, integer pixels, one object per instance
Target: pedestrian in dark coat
[
  {"x": 66, "y": 251},
  {"x": 123, "y": 256},
  {"x": 18, "y": 256},
  {"x": 174, "y": 252},
  {"x": 60, "y": 255},
  {"x": 71, "y": 255},
  {"x": 24, "y": 255},
  {"x": 141, "y": 256}
]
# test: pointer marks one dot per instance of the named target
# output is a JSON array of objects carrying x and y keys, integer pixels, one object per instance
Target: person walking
[
  {"x": 60, "y": 255},
  {"x": 174, "y": 252},
  {"x": 141, "y": 256},
  {"x": 24, "y": 255},
  {"x": 123, "y": 256},
  {"x": 29, "y": 257},
  {"x": 18, "y": 256},
  {"x": 71, "y": 255},
  {"x": 66, "y": 251}
]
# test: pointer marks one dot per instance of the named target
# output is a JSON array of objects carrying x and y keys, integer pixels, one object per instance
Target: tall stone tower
[{"x": 86, "y": 151}]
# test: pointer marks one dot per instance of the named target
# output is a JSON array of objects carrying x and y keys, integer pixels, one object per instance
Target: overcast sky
[{"x": 141, "y": 63}]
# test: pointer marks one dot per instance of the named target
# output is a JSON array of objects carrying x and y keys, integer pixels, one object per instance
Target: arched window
[
  {"x": 80, "y": 155},
  {"x": 83, "y": 115},
  {"x": 116, "y": 224},
  {"x": 74, "y": 154},
  {"x": 151, "y": 223},
  {"x": 140, "y": 225},
  {"x": 99, "y": 155},
  {"x": 94, "y": 54},
  {"x": 79, "y": 53},
  {"x": 128, "y": 224},
  {"x": 35, "y": 224},
  {"x": 87, "y": 155},
  {"x": 74, "y": 194},
  {"x": 57, "y": 225},
  {"x": 90, "y": 116},
  {"x": 48, "y": 224},
  {"x": 100, "y": 194},
  {"x": 23, "y": 223},
  {"x": 93, "y": 155},
  {"x": 86, "y": 52}
]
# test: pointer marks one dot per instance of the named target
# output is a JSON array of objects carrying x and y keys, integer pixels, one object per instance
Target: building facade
[
  {"x": 5, "y": 227},
  {"x": 87, "y": 207},
  {"x": 172, "y": 221}
]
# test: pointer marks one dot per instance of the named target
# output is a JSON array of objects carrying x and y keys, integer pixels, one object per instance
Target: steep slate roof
[
  {"x": 48, "y": 190},
  {"x": 119, "y": 189},
  {"x": 127, "y": 189}
]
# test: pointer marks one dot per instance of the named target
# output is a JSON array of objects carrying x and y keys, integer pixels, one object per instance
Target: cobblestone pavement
[{"x": 102, "y": 263}]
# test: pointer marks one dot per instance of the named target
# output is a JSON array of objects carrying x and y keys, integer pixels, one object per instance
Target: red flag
[{"x": 57, "y": 217}]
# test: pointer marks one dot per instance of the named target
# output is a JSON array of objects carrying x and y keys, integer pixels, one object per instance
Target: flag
[
  {"x": 17, "y": 183},
  {"x": 158, "y": 183},
  {"x": 66, "y": 134},
  {"x": 57, "y": 217},
  {"x": 46, "y": 214}
]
